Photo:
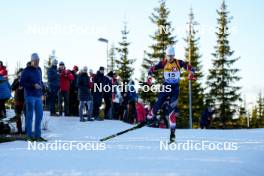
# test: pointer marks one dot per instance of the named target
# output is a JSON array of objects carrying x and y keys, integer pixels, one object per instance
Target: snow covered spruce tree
[
  {"x": 222, "y": 79},
  {"x": 162, "y": 38},
  {"x": 124, "y": 64},
  {"x": 192, "y": 56}
]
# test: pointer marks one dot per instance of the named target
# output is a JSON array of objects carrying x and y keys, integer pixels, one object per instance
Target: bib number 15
[{"x": 172, "y": 75}]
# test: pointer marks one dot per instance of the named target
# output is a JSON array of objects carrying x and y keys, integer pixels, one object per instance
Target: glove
[{"x": 191, "y": 76}]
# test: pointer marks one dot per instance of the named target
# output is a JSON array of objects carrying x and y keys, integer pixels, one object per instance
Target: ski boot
[{"x": 172, "y": 137}]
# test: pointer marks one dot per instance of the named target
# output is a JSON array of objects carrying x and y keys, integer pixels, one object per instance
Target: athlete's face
[{"x": 171, "y": 58}]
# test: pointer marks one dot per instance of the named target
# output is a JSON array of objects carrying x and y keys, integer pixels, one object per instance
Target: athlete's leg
[
  {"x": 161, "y": 98},
  {"x": 173, "y": 111}
]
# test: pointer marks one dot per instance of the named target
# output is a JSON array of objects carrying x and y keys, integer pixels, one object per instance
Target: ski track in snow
[{"x": 136, "y": 153}]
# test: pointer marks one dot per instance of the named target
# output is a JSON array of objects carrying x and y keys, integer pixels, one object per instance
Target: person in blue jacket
[
  {"x": 99, "y": 95},
  {"x": 5, "y": 94},
  {"x": 132, "y": 100},
  {"x": 53, "y": 86},
  {"x": 207, "y": 117},
  {"x": 31, "y": 80}
]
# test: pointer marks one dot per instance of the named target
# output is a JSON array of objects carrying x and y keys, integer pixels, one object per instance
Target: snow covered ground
[{"x": 135, "y": 153}]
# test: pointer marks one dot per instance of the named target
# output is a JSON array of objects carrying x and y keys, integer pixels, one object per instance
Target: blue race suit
[{"x": 171, "y": 71}]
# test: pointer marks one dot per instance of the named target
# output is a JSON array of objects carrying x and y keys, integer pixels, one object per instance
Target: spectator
[
  {"x": 107, "y": 96},
  {"x": 91, "y": 76},
  {"x": 141, "y": 114},
  {"x": 206, "y": 118},
  {"x": 74, "y": 103},
  {"x": 100, "y": 81},
  {"x": 116, "y": 97},
  {"x": 124, "y": 105},
  {"x": 19, "y": 101},
  {"x": 5, "y": 94},
  {"x": 31, "y": 80},
  {"x": 65, "y": 79},
  {"x": 132, "y": 99},
  {"x": 3, "y": 71},
  {"x": 53, "y": 86},
  {"x": 84, "y": 94}
]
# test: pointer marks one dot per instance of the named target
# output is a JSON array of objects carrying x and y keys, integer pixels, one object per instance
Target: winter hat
[
  {"x": 75, "y": 68},
  {"x": 170, "y": 51},
  {"x": 61, "y": 63},
  {"x": 85, "y": 69},
  {"x": 34, "y": 57},
  {"x": 1, "y": 63},
  {"x": 110, "y": 74},
  {"x": 54, "y": 62},
  {"x": 101, "y": 68},
  {"x": 28, "y": 64}
]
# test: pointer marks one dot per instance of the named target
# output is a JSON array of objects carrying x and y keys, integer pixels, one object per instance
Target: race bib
[{"x": 172, "y": 77}]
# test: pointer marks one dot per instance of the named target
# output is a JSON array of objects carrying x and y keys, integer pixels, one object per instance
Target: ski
[{"x": 140, "y": 125}]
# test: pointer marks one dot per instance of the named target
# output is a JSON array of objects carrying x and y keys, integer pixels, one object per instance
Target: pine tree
[
  {"x": 254, "y": 118},
  {"x": 124, "y": 64},
  {"x": 162, "y": 38},
  {"x": 243, "y": 114},
  {"x": 222, "y": 79},
  {"x": 192, "y": 56}
]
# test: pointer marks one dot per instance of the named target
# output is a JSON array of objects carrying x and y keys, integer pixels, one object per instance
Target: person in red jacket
[
  {"x": 141, "y": 113},
  {"x": 65, "y": 80},
  {"x": 3, "y": 71}
]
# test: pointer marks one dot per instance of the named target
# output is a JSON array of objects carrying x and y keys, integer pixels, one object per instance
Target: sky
[{"x": 72, "y": 29}]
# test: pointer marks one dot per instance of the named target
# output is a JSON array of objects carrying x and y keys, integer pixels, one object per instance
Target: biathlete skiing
[{"x": 172, "y": 72}]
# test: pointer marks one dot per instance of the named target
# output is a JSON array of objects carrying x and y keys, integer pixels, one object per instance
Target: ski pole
[{"x": 140, "y": 125}]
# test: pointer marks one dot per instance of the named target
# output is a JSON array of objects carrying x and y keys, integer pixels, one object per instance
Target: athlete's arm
[
  {"x": 189, "y": 68},
  {"x": 186, "y": 66},
  {"x": 156, "y": 67}
]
